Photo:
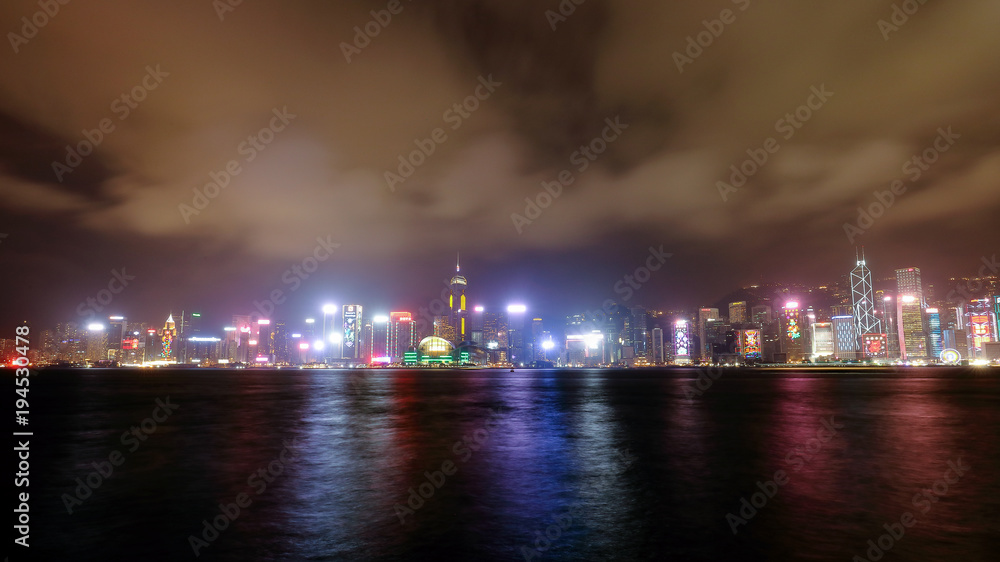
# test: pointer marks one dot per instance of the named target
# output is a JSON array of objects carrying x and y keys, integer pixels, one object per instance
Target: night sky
[{"x": 209, "y": 79}]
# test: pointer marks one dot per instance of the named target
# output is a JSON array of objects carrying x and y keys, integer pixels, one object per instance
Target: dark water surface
[{"x": 613, "y": 465}]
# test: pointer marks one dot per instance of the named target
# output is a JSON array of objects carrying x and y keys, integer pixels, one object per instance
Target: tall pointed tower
[
  {"x": 456, "y": 303},
  {"x": 865, "y": 321}
]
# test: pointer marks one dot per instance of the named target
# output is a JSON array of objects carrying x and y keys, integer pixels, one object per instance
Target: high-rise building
[
  {"x": 792, "y": 342},
  {"x": 402, "y": 335},
  {"x": 750, "y": 344},
  {"x": 682, "y": 342},
  {"x": 351, "y": 342},
  {"x": 537, "y": 352},
  {"x": 908, "y": 283},
  {"x": 980, "y": 325},
  {"x": 117, "y": 332},
  {"x": 516, "y": 340},
  {"x": 167, "y": 335},
  {"x": 738, "y": 312},
  {"x": 866, "y": 322},
  {"x": 639, "y": 331},
  {"x": 822, "y": 339},
  {"x": 476, "y": 324},
  {"x": 912, "y": 339},
  {"x": 845, "y": 337},
  {"x": 935, "y": 337},
  {"x": 456, "y": 305},
  {"x": 380, "y": 340},
  {"x": 704, "y": 315},
  {"x": 280, "y": 338},
  {"x": 658, "y": 357}
]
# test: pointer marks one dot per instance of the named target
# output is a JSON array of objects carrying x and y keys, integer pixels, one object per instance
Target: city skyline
[{"x": 885, "y": 322}]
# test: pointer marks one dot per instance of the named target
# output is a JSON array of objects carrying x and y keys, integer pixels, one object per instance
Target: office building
[
  {"x": 351, "y": 341},
  {"x": 737, "y": 312}
]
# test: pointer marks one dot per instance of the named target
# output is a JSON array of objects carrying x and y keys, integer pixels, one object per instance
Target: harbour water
[{"x": 488, "y": 465}]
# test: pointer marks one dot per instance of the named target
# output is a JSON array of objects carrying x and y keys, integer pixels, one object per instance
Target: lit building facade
[
  {"x": 351, "y": 341},
  {"x": 682, "y": 342},
  {"x": 912, "y": 339},
  {"x": 738, "y": 312},
  {"x": 458, "y": 317},
  {"x": 845, "y": 337},
  {"x": 402, "y": 335}
]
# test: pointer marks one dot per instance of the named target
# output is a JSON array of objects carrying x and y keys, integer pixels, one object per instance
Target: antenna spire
[{"x": 458, "y": 263}]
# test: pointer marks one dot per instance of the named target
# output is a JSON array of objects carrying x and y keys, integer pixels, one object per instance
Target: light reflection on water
[{"x": 644, "y": 472}]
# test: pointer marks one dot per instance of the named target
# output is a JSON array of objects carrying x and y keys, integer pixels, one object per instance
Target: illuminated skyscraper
[
  {"x": 822, "y": 339},
  {"x": 865, "y": 320},
  {"x": 704, "y": 315},
  {"x": 912, "y": 339},
  {"x": 117, "y": 331},
  {"x": 456, "y": 304},
  {"x": 792, "y": 341},
  {"x": 516, "y": 340},
  {"x": 845, "y": 337},
  {"x": 935, "y": 338},
  {"x": 402, "y": 335},
  {"x": 658, "y": 357},
  {"x": 908, "y": 283},
  {"x": 682, "y": 342},
  {"x": 352, "y": 339},
  {"x": 738, "y": 312},
  {"x": 167, "y": 335}
]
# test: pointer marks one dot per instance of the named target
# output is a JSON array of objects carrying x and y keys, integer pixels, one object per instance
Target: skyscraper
[
  {"x": 935, "y": 338},
  {"x": 402, "y": 335},
  {"x": 704, "y": 315},
  {"x": 861, "y": 297},
  {"x": 738, "y": 312},
  {"x": 658, "y": 357},
  {"x": 792, "y": 342},
  {"x": 515, "y": 334},
  {"x": 353, "y": 323},
  {"x": 908, "y": 283},
  {"x": 912, "y": 339},
  {"x": 682, "y": 342},
  {"x": 456, "y": 305},
  {"x": 845, "y": 337}
]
